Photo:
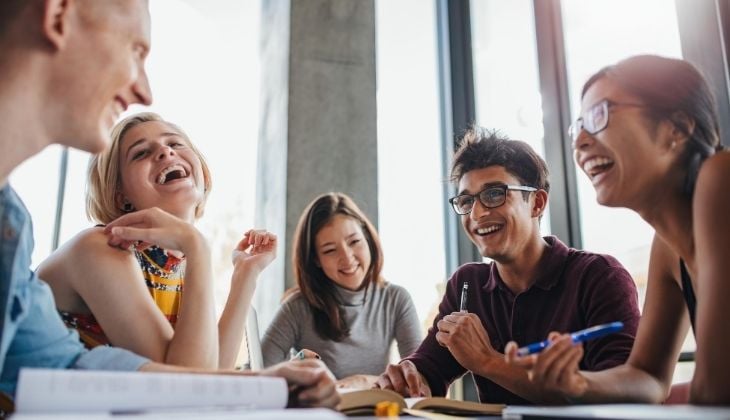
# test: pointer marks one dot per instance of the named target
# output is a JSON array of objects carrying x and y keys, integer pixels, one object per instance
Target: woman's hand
[
  {"x": 154, "y": 226},
  {"x": 256, "y": 250},
  {"x": 555, "y": 369}
]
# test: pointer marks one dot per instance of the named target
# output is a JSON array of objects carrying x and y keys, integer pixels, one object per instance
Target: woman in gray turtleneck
[{"x": 341, "y": 308}]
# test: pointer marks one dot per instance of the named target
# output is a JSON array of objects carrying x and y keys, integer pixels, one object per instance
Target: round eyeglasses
[{"x": 490, "y": 197}]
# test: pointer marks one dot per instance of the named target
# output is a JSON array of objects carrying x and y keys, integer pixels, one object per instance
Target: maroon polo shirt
[{"x": 574, "y": 290}]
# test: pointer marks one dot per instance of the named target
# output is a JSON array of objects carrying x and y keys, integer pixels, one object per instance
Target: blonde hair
[{"x": 104, "y": 174}]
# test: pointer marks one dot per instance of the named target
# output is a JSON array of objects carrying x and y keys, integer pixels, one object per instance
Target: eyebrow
[
  {"x": 485, "y": 185},
  {"x": 346, "y": 237},
  {"x": 144, "y": 139}
]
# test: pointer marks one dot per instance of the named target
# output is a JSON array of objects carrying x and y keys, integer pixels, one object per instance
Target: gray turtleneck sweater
[{"x": 376, "y": 318}]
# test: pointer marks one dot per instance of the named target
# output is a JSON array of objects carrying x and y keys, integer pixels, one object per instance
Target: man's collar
[{"x": 549, "y": 272}]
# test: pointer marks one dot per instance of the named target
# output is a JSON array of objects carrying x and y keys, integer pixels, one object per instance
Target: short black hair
[{"x": 481, "y": 148}]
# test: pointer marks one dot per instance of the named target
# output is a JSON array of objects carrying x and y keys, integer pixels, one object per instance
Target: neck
[
  {"x": 671, "y": 218},
  {"x": 520, "y": 273},
  {"x": 22, "y": 132}
]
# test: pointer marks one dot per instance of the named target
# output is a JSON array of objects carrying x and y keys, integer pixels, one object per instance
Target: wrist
[
  {"x": 491, "y": 361},
  {"x": 195, "y": 244}
]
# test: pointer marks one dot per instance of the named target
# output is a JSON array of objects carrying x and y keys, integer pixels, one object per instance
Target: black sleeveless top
[{"x": 689, "y": 293}]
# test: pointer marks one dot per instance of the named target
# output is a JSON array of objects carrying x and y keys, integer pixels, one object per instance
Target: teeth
[
  {"x": 163, "y": 175},
  {"x": 596, "y": 161},
  {"x": 490, "y": 229},
  {"x": 349, "y": 270}
]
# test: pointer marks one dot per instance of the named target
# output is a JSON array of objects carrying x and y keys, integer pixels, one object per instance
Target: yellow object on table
[{"x": 387, "y": 409}]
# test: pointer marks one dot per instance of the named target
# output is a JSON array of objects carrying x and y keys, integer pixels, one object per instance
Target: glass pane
[
  {"x": 36, "y": 182},
  {"x": 205, "y": 80},
  {"x": 410, "y": 194},
  {"x": 598, "y": 33},
  {"x": 506, "y": 80}
]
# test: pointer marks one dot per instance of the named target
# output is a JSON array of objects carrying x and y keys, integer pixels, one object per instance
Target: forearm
[
  {"x": 625, "y": 384},
  {"x": 232, "y": 323},
  {"x": 195, "y": 341},
  {"x": 515, "y": 380}
]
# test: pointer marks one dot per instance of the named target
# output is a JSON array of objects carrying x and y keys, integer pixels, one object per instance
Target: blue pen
[{"x": 578, "y": 337}]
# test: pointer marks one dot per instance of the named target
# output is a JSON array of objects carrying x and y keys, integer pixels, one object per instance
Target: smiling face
[
  {"x": 343, "y": 252},
  {"x": 504, "y": 232},
  {"x": 633, "y": 151},
  {"x": 117, "y": 36},
  {"x": 158, "y": 168}
]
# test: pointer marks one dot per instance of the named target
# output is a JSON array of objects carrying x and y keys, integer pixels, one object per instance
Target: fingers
[
  {"x": 416, "y": 386},
  {"x": 552, "y": 357},
  {"x": 259, "y": 240},
  {"x": 311, "y": 383},
  {"x": 393, "y": 379},
  {"x": 321, "y": 393},
  {"x": 510, "y": 355}
]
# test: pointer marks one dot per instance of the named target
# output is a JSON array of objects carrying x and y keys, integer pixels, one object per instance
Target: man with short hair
[
  {"x": 68, "y": 69},
  {"x": 534, "y": 285}
]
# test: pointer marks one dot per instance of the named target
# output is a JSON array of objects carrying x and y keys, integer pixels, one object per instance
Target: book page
[{"x": 59, "y": 391}]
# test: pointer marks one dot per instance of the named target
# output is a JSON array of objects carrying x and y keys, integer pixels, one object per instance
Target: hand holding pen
[
  {"x": 303, "y": 354},
  {"x": 554, "y": 364}
]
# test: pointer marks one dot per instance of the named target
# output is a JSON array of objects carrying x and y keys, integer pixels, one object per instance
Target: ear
[
  {"x": 56, "y": 22},
  {"x": 119, "y": 200},
  {"x": 540, "y": 203},
  {"x": 682, "y": 128}
]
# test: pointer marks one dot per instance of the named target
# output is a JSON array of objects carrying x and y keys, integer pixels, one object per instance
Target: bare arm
[
  {"x": 711, "y": 382},
  {"x": 311, "y": 384},
  {"x": 111, "y": 285},
  {"x": 255, "y": 251},
  {"x": 647, "y": 375}
]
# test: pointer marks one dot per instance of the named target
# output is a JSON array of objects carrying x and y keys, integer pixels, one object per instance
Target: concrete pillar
[{"x": 318, "y": 119}]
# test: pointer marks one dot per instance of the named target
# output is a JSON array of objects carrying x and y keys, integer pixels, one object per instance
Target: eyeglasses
[
  {"x": 490, "y": 197},
  {"x": 595, "y": 119}
]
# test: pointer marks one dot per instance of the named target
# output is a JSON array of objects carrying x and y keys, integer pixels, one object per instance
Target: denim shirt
[{"x": 32, "y": 333}]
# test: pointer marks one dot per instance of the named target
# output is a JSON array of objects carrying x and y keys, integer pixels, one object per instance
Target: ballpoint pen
[
  {"x": 464, "y": 291},
  {"x": 578, "y": 337}
]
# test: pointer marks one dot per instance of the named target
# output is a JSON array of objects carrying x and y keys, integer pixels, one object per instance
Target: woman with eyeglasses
[
  {"x": 341, "y": 309},
  {"x": 648, "y": 139},
  {"x": 154, "y": 296}
]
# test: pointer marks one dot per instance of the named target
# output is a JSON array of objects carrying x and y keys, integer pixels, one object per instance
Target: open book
[
  {"x": 42, "y": 391},
  {"x": 363, "y": 401}
]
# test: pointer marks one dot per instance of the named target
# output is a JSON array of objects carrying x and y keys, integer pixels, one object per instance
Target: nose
[
  {"x": 347, "y": 254},
  {"x": 478, "y": 210},
  {"x": 164, "y": 151},
  {"x": 583, "y": 140},
  {"x": 141, "y": 88}
]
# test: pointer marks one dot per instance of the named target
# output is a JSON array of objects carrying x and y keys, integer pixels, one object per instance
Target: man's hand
[
  {"x": 311, "y": 384},
  {"x": 404, "y": 379},
  {"x": 467, "y": 340}
]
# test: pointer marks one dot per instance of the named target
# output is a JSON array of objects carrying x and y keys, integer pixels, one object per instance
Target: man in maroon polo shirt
[{"x": 534, "y": 285}]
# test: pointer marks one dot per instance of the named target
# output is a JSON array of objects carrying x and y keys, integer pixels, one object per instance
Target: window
[
  {"x": 212, "y": 94},
  {"x": 506, "y": 82},
  {"x": 410, "y": 178}
]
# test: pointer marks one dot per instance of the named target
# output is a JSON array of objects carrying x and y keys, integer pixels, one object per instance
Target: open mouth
[
  {"x": 484, "y": 231},
  {"x": 596, "y": 166},
  {"x": 171, "y": 173},
  {"x": 350, "y": 270}
]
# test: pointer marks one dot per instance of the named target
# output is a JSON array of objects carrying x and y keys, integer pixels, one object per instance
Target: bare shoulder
[
  {"x": 663, "y": 261},
  {"x": 712, "y": 180}
]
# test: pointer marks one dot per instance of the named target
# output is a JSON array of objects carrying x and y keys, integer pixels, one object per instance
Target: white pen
[{"x": 464, "y": 290}]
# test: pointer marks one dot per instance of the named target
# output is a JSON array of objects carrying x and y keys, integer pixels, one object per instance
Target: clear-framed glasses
[
  {"x": 490, "y": 197},
  {"x": 595, "y": 119}
]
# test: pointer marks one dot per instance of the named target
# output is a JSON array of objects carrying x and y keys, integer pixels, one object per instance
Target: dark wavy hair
[
  {"x": 318, "y": 290},
  {"x": 671, "y": 88},
  {"x": 481, "y": 148}
]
